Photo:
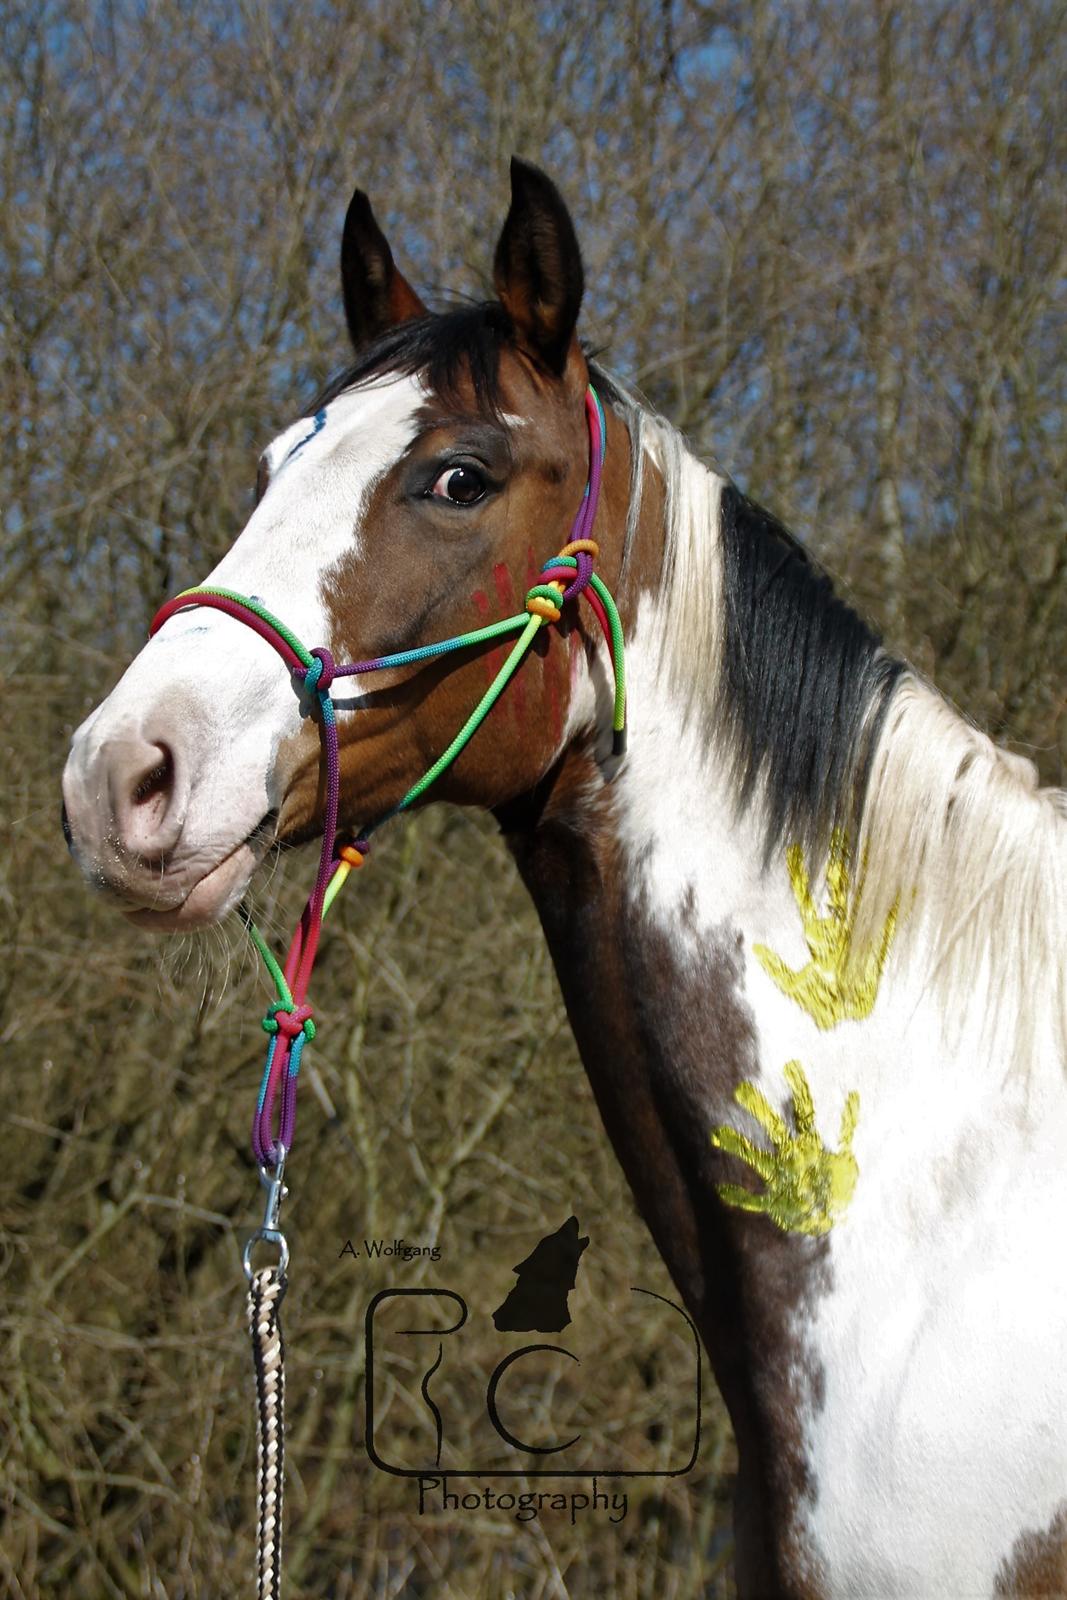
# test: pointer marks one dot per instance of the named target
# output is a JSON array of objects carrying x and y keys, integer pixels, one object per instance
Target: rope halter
[{"x": 565, "y": 577}]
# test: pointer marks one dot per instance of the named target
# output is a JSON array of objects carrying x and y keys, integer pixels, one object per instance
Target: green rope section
[
  {"x": 333, "y": 889},
  {"x": 618, "y": 651},
  {"x": 530, "y": 625},
  {"x": 270, "y": 961},
  {"x": 473, "y": 722}
]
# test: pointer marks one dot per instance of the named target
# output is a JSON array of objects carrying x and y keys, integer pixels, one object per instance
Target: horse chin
[{"x": 210, "y": 899}]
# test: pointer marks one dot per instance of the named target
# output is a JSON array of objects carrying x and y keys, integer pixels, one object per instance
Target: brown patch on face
[
  {"x": 1037, "y": 1564},
  {"x": 426, "y": 571}
]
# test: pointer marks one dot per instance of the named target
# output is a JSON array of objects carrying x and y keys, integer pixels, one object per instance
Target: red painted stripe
[
  {"x": 515, "y": 694},
  {"x": 492, "y": 659},
  {"x": 505, "y": 589}
]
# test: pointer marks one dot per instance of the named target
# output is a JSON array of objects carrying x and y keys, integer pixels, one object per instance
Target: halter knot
[
  {"x": 354, "y": 854},
  {"x": 585, "y": 552},
  {"x": 563, "y": 577},
  {"x": 320, "y": 674},
  {"x": 543, "y": 601},
  {"x": 289, "y": 1023}
]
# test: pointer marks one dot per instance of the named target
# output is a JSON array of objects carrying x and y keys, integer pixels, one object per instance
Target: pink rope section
[{"x": 232, "y": 608}]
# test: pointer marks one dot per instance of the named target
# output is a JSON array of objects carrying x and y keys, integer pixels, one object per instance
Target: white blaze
[{"x": 209, "y": 688}]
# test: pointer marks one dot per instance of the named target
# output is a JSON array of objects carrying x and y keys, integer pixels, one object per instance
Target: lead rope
[
  {"x": 289, "y": 1021},
  {"x": 266, "y": 1290}
]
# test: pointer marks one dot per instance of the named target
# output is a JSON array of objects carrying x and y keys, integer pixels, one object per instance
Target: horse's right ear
[
  {"x": 538, "y": 267},
  {"x": 376, "y": 295}
]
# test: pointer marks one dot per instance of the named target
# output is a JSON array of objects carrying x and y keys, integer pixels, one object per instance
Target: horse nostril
[
  {"x": 148, "y": 817},
  {"x": 155, "y": 782},
  {"x": 65, "y": 824}
]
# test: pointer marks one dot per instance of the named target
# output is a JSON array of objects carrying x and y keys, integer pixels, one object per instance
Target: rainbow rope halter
[{"x": 289, "y": 1020}]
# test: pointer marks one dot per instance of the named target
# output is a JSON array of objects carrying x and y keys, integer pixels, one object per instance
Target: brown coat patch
[
  {"x": 665, "y": 1041},
  {"x": 1037, "y": 1564},
  {"x": 450, "y": 571}
]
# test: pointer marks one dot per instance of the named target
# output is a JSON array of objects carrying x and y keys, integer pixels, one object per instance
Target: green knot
[{"x": 544, "y": 601}]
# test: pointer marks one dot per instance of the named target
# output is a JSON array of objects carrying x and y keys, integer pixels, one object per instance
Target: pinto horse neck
[{"x": 856, "y": 1348}]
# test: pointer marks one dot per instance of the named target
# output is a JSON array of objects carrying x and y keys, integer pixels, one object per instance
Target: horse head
[{"x": 416, "y": 500}]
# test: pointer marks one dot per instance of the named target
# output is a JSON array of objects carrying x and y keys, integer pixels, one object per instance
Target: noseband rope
[{"x": 289, "y": 1020}]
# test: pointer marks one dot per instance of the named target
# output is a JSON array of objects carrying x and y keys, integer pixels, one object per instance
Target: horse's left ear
[
  {"x": 538, "y": 267},
  {"x": 377, "y": 296}
]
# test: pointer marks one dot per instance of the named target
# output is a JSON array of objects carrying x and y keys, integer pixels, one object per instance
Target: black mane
[
  {"x": 445, "y": 347},
  {"x": 804, "y": 685}
]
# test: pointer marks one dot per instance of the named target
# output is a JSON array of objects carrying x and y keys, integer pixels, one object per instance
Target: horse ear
[
  {"x": 538, "y": 267},
  {"x": 376, "y": 295}
]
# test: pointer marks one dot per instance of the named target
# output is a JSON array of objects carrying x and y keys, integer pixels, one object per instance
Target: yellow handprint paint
[
  {"x": 838, "y": 982},
  {"x": 808, "y": 1187}
]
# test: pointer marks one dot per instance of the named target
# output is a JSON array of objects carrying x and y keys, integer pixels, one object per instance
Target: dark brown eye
[
  {"x": 262, "y": 479},
  {"x": 463, "y": 486}
]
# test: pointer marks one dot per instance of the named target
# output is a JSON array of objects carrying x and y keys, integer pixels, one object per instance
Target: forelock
[{"x": 450, "y": 352}]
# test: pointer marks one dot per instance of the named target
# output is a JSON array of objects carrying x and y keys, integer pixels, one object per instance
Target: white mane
[
  {"x": 962, "y": 824},
  {"x": 952, "y": 827}
]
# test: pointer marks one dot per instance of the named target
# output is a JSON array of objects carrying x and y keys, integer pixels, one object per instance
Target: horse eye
[{"x": 463, "y": 486}]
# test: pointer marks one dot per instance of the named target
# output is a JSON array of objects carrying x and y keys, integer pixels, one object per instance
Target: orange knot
[{"x": 348, "y": 853}]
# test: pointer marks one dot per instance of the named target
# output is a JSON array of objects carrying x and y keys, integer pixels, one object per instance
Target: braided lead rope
[{"x": 266, "y": 1289}]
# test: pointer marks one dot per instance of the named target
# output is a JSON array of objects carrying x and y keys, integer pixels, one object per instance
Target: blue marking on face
[{"x": 317, "y": 425}]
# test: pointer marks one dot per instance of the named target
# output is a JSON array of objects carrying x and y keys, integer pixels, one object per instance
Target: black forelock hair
[
  {"x": 443, "y": 347},
  {"x": 804, "y": 686}
]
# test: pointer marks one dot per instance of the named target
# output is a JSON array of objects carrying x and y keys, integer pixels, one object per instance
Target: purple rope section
[
  {"x": 583, "y": 522},
  {"x": 294, "y": 1024}
]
